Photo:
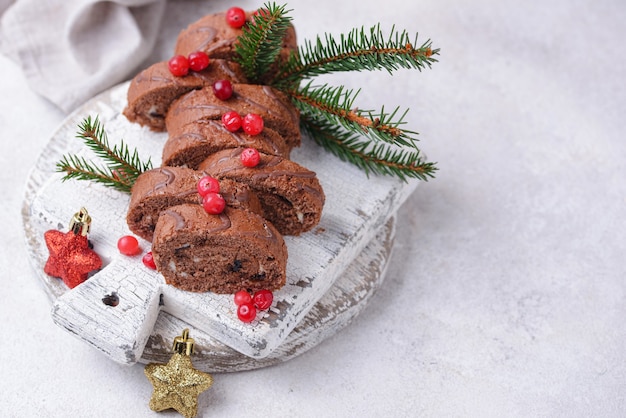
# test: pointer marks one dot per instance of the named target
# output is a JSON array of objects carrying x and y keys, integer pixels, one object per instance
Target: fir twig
[
  {"x": 362, "y": 137},
  {"x": 261, "y": 41},
  {"x": 356, "y": 51},
  {"x": 336, "y": 105},
  {"x": 378, "y": 159},
  {"x": 122, "y": 167}
]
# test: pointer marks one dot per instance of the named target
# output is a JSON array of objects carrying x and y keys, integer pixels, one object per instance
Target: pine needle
[
  {"x": 359, "y": 50},
  {"x": 261, "y": 41},
  {"x": 378, "y": 159},
  {"x": 336, "y": 105},
  {"x": 122, "y": 166}
]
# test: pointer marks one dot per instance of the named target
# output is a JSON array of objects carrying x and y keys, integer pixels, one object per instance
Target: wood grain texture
[{"x": 356, "y": 209}]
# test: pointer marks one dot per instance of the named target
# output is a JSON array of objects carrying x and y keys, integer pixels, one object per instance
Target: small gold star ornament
[{"x": 177, "y": 384}]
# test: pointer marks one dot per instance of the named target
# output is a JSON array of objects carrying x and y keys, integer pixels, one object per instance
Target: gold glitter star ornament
[{"x": 177, "y": 384}]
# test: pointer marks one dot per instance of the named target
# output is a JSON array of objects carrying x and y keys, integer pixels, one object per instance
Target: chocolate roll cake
[
  {"x": 199, "y": 252},
  {"x": 156, "y": 190},
  {"x": 273, "y": 106},
  {"x": 291, "y": 195},
  {"x": 242, "y": 247},
  {"x": 153, "y": 90},
  {"x": 196, "y": 141}
]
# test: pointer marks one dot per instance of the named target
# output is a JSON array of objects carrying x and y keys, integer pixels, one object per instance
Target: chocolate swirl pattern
[
  {"x": 242, "y": 248},
  {"x": 193, "y": 143}
]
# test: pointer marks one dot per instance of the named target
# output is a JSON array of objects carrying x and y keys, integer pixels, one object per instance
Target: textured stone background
[{"x": 506, "y": 292}]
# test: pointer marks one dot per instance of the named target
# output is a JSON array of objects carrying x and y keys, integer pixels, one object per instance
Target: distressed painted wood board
[
  {"x": 356, "y": 209},
  {"x": 336, "y": 309}
]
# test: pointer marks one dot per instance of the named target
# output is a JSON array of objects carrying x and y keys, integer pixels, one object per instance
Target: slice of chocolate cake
[
  {"x": 194, "y": 142},
  {"x": 153, "y": 90},
  {"x": 214, "y": 36},
  {"x": 291, "y": 195},
  {"x": 199, "y": 252},
  {"x": 273, "y": 106},
  {"x": 158, "y": 189},
  {"x": 241, "y": 248}
]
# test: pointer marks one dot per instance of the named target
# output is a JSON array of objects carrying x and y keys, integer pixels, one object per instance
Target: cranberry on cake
[
  {"x": 153, "y": 90},
  {"x": 194, "y": 142},
  {"x": 214, "y": 35},
  {"x": 291, "y": 195},
  {"x": 158, "y": 189},
  {"x": 272, "y": 105}
]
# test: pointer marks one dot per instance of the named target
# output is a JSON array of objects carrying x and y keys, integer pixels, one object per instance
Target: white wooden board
[
  {"x": 356, "y": 209},
  {"x": 336, "y": 309}
]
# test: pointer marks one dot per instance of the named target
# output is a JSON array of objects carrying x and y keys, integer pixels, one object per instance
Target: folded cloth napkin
[{"x": 70, "y": 50}]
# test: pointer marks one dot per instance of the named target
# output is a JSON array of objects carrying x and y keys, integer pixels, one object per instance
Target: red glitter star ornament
[{"x": 70, "y": 258}]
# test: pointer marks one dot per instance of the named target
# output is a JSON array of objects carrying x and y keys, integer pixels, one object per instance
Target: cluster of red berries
[
  {"x": 248, "y": 304},
  {"x": 212, "y": 201},
  {"x": 129, "y": 245},
  {"x": 252, "y": 123},
  {"x": 180, "y": 65}
]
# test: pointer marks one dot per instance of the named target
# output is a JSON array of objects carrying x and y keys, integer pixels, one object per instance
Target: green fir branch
[
  {"x": 260, "y": 43},
  {"x": 122, "y": 166},
  {"x": 378, "y": 159},
  {"x": 336, "y": 105},
  {"x": 359, "y": 50},
  {"x": 363, "y": 137}
]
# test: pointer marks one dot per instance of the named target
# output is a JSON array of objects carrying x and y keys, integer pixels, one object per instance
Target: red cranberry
[
  {"x": 246, "y": 312},
  {"x": 250, "y": 157},
  {"x": 178, "y": 65},
  {"x": 148, "y": 260},
  {"x": 242, "y": 296},
  {"x": 232, "y": 121},
  {"x": 198, "y": 60},
  {"x": 252, "y": 124},
  {"x": 263, "y": 299},
  {"x": 128, "y": 245},
  {"x": 213, "y": 203},
  {"x": 208, "y": 184},
  {"x": 236, "y": 17},
  {"x": 223, "y": 89}
]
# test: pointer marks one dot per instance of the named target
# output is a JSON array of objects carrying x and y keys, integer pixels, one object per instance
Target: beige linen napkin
[{"x": 70, "y": 50}]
